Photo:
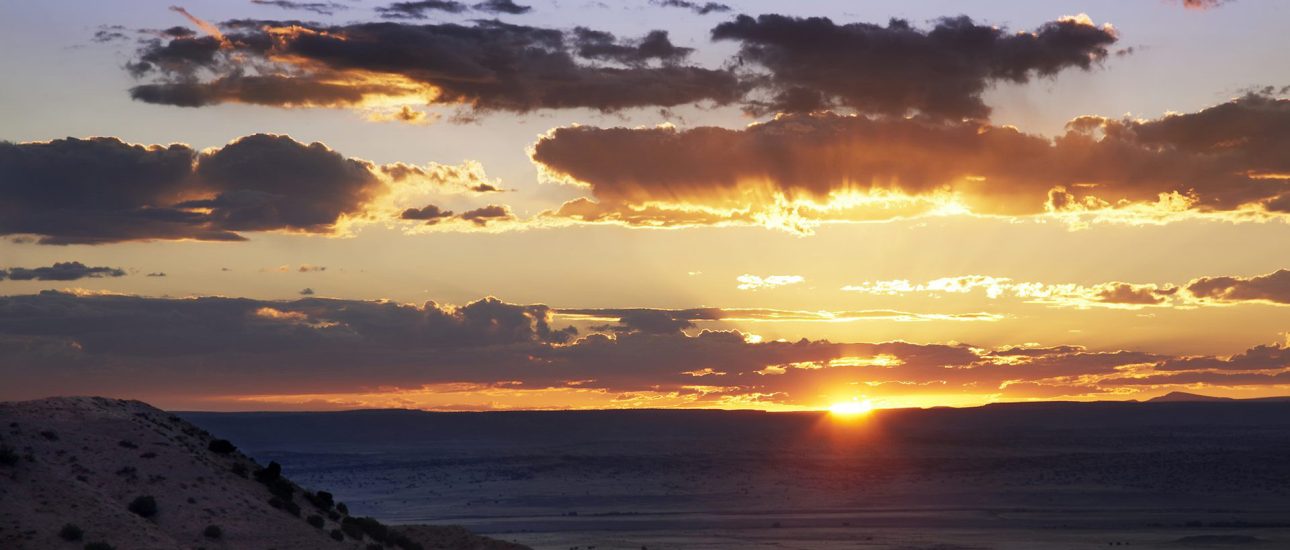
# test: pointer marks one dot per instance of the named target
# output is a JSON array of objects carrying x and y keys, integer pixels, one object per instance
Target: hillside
[{"x": 79, "y": 471}]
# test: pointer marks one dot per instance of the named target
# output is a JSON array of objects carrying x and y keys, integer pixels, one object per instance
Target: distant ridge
[{"x": 1182, "y": 396}]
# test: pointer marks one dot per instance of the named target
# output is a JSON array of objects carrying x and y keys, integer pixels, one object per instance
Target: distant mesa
[{"x": 1181, "y": 397}]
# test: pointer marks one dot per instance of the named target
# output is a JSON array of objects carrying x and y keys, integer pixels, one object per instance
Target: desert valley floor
[{"x": 1169, "y": 475}]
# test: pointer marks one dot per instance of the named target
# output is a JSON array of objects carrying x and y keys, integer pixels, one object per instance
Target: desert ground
[
  {"x": 98, "y": 474},
  {"x": 1159, "y": 475}
]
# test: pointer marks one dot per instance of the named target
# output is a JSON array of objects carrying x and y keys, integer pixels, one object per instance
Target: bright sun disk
[{"x": 854, "y": 407}]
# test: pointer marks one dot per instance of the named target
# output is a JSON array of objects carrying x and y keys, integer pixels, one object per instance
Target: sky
[{"x": 300, "y": 205}]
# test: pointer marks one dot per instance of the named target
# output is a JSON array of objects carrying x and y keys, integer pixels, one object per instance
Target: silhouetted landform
[
  {"x": 1182, "y": 396},
  {"x": 95, "y": 473},
  {"x": 1033, "y": 475}
]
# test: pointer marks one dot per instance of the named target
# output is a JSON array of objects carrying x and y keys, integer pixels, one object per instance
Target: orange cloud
[{"x": 797, "y": 171}]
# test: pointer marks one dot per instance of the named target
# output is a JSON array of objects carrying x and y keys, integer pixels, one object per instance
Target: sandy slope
[{"x": 83, "y": 460}]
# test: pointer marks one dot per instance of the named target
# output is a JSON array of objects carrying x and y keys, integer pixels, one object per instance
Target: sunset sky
[{"x": 460, "y": 205}]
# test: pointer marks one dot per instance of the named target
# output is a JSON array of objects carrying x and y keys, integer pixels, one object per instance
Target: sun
[{"x": 854, "y": 407}]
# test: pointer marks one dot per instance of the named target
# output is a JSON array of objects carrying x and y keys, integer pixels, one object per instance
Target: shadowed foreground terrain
[
  {"x": 1048, "y": 475},
  {"x": 95, "y": 473}
]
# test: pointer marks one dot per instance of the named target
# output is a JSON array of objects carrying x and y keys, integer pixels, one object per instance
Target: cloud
[
  {"x": 430, "y": 213},
  {"x": 813, "y": 64},
  {"x": 754, "y": 282},
  {"x": 213, "y": 348},
  {"x": 797, "y": 171},
  {"x": 1272, "y": 288},
  {"x": 593, "y": 44},
  {"x": 419, "y": 10},
  {"x": 321, "y": 8},
  {"x": 157, "y": 274},
  {"x": 1202, "y": 4},
  {"x": 502, "y": 6},
  {"x": 392, "y": 69},
  {"x": 307, "y": 268},
  {"x": 635, "y": 318},
  {"x": 1112, "y": 294},
  {"x": 60, "y": 271},
  {"x": 703, "y": 8},
  {"x": 491, "y": 213},
  {"x": 307, "y": 292},
  {"x": 100, "y": 190}
]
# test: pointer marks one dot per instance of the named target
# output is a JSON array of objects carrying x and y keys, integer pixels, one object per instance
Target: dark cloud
[
  {"x": 1273, "y": 288},
  {"x": 157, "y": 274},
  {"x": 492, "y": 213},
  {"x": 502, "y": 6},
  {"x": 814, "y": 64},
  {"x": 321, "y": 8},
  {"x": 703, "y": 8},
  {"x": 419, "y": 10},
  {"x": 1227, "y": 161},
  {"x": 487, "y": 66},
  {"x": 60, "y": 271},
  {"x": 430, "y": 213},
  {"x": 110, "y": 33},
  {"x": 101, "y": 190},
  {"x": 307, "y": 292},
  {"x": 656, "y": 45},
  {"x": 61, "y": 342}
]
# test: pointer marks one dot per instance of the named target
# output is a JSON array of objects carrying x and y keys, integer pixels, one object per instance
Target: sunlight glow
[{"x": 854, "y": 407}]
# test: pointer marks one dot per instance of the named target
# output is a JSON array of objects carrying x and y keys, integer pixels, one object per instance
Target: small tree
[
  {"x": 70, "y": 533},
  {"x": 145, "y": 506},
  {"x": 315, "y": 520},
  {"x": 269, "y": 473},
  {"x": 8, "y": 457},
  {"x": 212, "y": 532},
  {"x": 221, "y": 446}
]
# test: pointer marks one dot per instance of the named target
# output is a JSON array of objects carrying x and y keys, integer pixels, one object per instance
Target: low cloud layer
[
  {"x": 101, "y": 190},
  {"x": 1273, "y": 288},
  {"x": 213, "y": 349},
  {"x": 60, "y": 271},
  {"x": 798, "y": 171}
]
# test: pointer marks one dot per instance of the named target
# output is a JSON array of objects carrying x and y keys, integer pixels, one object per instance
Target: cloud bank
[{"x": 213, "y": 349}]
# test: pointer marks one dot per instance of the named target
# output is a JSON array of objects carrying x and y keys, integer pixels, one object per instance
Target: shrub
[
  {"x": 221, "y": 446},
  {"x": 148, "y": 454},
  {"x": 352, "y": 528},
  {"x": 50, "y": 435},
  {"x": 375, "y": 546},
  {"x": 365, "y": 525},
  {"x": 239, "y": 470},
  {"x": 322, "y": 499},
  {"x": 212, "y": 532},
  {"x": 334, "y": 515},
  {"x": 315, "y": 520},
  {"x": 340, "y": 507},
  {"x": 402, "y": 541},
  {"x": 127, "y": 444},
  {"x": 70, "y": 532},
  {"x": 337, "y": 534},
  {"x": 99, "y": 546},
  {"x": 281, "y": 488},
  {"x": 267, "y": 474},
  {"x": 8, "y": 457},
  {"x": 145, "y": 506}
]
